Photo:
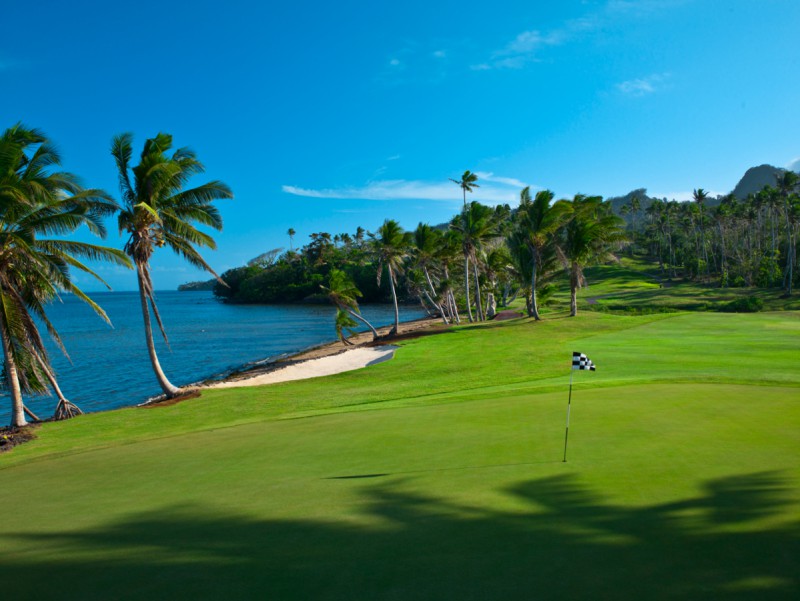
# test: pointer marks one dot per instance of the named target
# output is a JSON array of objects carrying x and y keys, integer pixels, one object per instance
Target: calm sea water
[{"x": 110, "y": 366}]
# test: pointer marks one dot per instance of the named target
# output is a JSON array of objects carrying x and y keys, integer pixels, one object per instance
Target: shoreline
[{"x": 257, "y": 373}]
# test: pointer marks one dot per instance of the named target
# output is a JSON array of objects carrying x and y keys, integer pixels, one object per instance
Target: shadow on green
[{"x": 564, "y": 542}]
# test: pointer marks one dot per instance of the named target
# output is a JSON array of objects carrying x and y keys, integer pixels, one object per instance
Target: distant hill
[
  {"x": 755, "y": 179},
  {"x": 194, "y": 286},
  {"x": 617, "y": 202}
]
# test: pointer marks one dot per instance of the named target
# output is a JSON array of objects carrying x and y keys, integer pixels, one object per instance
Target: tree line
[
  {"x": 735, "y": 243},
  {"x": 462, "y": 270}
]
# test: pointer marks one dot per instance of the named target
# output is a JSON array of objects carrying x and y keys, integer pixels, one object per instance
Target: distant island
[{"x": 197, "y": 286}]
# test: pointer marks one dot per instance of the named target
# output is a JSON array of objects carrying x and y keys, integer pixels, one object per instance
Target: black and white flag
[{"x": 581, "y": 361}]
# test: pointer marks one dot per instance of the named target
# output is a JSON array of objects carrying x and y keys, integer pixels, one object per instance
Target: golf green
[{"x": 676, "y": 486}]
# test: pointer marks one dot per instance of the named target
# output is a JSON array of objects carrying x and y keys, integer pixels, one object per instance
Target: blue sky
[{"x": 323, "y": 116}]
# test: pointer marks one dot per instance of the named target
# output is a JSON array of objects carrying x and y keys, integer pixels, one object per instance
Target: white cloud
[
  {"x": 395, "y": 62},
  {"x": 645, "y": 85},
  {"x": 526, "y": 47},
  {"x": 794, "y": 165},
  {"x": 492, "y": 190},
  {"x": 508, "y": 181},
  {"x": 439, "y": 54},
  {"x": 522, "y": 50}
]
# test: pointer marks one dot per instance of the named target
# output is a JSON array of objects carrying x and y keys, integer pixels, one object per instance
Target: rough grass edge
[{"x": 12, "y": 437}]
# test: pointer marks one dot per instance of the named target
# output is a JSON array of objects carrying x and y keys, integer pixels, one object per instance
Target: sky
[{"x": 326, "y": 116}]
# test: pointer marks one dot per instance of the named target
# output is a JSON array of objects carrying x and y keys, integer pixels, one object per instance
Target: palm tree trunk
[
  {"x": 169, "y": 389},
  {"x": 17, "y": 407},
  {"x": 479, "y": 307},
  {"x": 352, "y": 313},
  {"x": 452, "y": 299},
  {"x": 534, "y": 308},
  {"x": 394, "y": 330},
  {"x": 466, "y": 286},
  {"x": 789, "y": 252},
  {"x": 573, "y": 290},
  {"x": 439, "y": 306},
  {"x": 65, "y": 409}
]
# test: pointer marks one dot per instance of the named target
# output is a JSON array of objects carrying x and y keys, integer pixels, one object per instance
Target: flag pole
[{"x": 569, "y": 404}]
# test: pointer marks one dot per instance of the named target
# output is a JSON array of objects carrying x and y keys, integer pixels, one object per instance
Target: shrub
[{"x": 745, "y": 304}]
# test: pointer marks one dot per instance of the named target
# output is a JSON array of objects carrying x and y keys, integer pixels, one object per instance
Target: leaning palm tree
[
  {"x": 36, "y": 203},
  {"x": 466, "y": 183},
  {"x": 589, "y": 236},
  {"x": 343, "y": 293},
  {"x": 157, "y": 211},
  {"x": 427, "y": 241},
  {"x": 344, "y": 323},
  {"x": 390, "y": 244}
]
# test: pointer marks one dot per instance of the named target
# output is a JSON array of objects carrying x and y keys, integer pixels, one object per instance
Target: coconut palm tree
[
  {"x": 343, "y": 293},
  {"x": 390, "y": 245},
  {"x": 466, "y": 183},
  {"x": 157, "y": 211},
  {"x": 537, "y": 222},
  {"x": 36, "y": 203},
  {"x": 290, "y": 232},
  {"x": 427, "y": 241},
  {"x": 589, "y": 236},
  {"x": 476, "y": 225},
  {"x": 344, "y": 323},
  {"x": 787, "y": 183},
  {"x": 700, "y": 196}
]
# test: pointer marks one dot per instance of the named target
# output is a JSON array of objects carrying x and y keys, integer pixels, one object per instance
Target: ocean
[{"x": 109, "y": 366}]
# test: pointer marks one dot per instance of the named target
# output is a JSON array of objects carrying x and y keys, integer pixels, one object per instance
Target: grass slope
[{"x": 439, "y": 475}]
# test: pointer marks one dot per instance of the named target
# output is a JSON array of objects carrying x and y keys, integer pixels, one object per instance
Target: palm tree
[
  {"x": 700, "y": 196},
  {"x": 476, "y": 226},
  {"x": 343, "y": 293},
  {"x": 588, "y": 237},
  {"x": 344, "y": 322},
  {"x": 34, "y": 203},
  {"x": 447, "y": 252},
  {"x": 787, "y": 182},
  {"x": 466, "y": 183},
  {"x": 158, "y": 212},
  {"x": 537, "y": 222},
  {"x": 427, "y": 241},
  {"x": 390, "y": 245},
  {"x": 291, "y": 234}
]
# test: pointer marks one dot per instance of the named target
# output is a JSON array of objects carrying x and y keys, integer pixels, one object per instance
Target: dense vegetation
[
  {"x": 484, "y": 257},
  {"x": 750, "y": 242},
  {"x": 487, "y": 257}
]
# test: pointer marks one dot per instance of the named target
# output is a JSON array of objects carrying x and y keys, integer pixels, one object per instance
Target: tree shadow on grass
[{"x": 563, "y": 542}]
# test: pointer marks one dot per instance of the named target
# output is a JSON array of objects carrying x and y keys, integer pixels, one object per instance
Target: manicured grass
[{"x": 439, "y": 475}]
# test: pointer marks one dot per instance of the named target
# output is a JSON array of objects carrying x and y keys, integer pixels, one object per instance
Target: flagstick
[{"x": 569, "y": 404}]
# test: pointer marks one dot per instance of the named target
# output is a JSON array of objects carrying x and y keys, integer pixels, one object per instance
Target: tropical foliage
[
  {"x": 725, "y": 241},
  {"x": 37, "y": 207},
  {"x": 158, "y": 211}
]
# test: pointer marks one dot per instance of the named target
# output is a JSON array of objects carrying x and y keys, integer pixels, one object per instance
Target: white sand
[{"x": 349, "y": 360}]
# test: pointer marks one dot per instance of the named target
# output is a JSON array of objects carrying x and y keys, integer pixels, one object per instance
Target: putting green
[{"x": 681, "y": 490}]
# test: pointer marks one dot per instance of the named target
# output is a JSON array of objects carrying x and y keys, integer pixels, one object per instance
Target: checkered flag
[{"x": 581, "y": 361}]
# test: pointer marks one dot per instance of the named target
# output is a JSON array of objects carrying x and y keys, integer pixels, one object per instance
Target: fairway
[{"x": 682, "y": 480}]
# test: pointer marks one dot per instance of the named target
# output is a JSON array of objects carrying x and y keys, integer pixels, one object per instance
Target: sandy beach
[{"x": 329, "y": 359}]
